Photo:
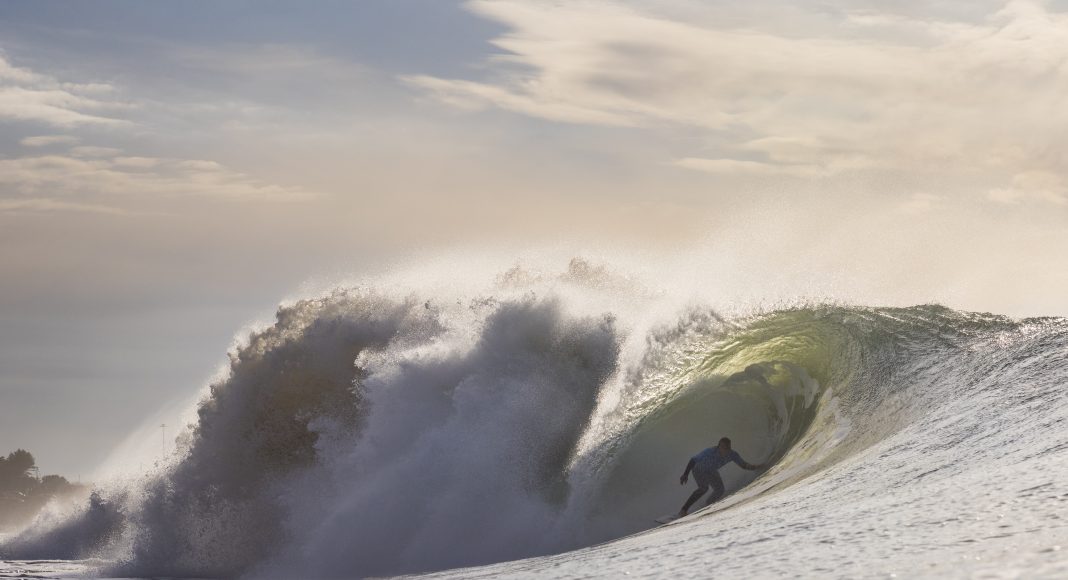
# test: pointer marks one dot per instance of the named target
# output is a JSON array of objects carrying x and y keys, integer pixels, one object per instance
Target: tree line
[{"x": 22, "y": 492}]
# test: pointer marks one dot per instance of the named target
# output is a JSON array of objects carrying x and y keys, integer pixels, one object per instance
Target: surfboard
[{"x": 667, "y": 519}]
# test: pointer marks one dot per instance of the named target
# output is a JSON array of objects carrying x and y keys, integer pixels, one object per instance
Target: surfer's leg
[
  {"x": 701, "y": 479},
  {"x": 696, "y": 495},
  {"x": 717, "y": 488}
]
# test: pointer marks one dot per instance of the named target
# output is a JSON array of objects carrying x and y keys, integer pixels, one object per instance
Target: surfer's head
[{"x": 725, "y": 444}]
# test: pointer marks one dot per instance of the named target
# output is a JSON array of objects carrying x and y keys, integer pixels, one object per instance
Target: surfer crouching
[{"x": 705, "y": 466}]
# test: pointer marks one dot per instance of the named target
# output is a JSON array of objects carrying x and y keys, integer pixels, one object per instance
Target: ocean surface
[{"x": 538, "y": 425}]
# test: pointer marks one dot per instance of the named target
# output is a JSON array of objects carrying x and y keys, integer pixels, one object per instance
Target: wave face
[{"x": 376, "y": 431}]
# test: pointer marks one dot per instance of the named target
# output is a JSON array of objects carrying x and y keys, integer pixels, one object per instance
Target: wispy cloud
[
  {"x": 29, "y": 96},
  {"x": 777, "y": 167},
  {"x": 77, "y": 176},
  {"x": 921, "y": 203},
  {"x": 44, "y": 205},
  {"x": 911, "y": 93},
  {"x": 107, "y": 172},
  {"x": 46, "y": 140},
  {"x": 1038, "y": 186},
  {"x": 95, "y": 151}
]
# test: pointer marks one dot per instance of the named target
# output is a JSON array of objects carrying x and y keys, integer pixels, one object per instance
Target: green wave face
[{"x": 798, "y": 389}]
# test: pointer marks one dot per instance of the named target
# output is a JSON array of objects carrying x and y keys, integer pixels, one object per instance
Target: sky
[{"x": 169, "y": 172}]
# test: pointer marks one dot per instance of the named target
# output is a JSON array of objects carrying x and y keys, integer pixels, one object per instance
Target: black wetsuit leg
[
  {"x": 717, "y": 488},
  {"x": 696, "y": 495},
  {"x": 703, "y": 480}
]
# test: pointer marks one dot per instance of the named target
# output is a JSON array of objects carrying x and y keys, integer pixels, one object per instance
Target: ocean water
[{"x": 536, "y": 425}]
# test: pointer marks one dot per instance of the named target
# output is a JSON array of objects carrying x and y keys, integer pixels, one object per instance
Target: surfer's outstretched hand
[{"x": 682, "y": 480}]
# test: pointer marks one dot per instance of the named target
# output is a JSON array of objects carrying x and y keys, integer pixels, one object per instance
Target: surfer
[{"x": 705, "y": 466}]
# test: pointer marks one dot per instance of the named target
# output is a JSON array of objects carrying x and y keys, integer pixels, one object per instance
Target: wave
[{"x": 377, "y": 431}]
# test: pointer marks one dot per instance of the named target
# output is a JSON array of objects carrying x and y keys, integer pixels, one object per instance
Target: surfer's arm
[
  {"x": 745, "y": 464},
  {"x": 686, "y": 474}
]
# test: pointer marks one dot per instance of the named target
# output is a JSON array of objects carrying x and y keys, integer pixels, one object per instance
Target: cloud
[
  {"x": 921, "y": 203},
  {"x": 46, "y": 140},
  {"x": 29, "y": 96},
  {"x": 1039, "y": 186},
  {"x": 76, "y": 179},
  {"x": 138, "y": 162},
  {"x": 94, "y": 151},
  {"x": 877, "y": 91},
  {"x": 59, "y": 177},
  {"x": 738, "y": 166},
  {"x": 43, "y": 205},
  {"x": 475, "y": 96}
]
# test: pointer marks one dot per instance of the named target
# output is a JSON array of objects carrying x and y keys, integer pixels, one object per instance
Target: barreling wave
[{"x": 373, "y": 432}]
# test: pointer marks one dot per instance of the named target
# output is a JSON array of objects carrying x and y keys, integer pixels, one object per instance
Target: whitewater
[{"x": 535, "y": 422}]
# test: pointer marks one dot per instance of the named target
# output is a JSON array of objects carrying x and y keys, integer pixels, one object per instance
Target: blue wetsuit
[
  {"x": 705, "y": 466},
  {"x": 710, "y": 460}
]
